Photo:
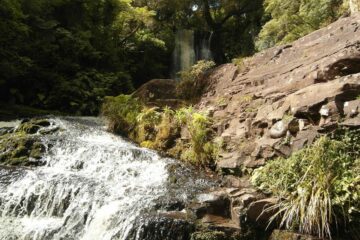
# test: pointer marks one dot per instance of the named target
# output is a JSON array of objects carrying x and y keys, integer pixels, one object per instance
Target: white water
[
  {"x": 184, "y": 52},
  {"x": 93, "y": 187}
]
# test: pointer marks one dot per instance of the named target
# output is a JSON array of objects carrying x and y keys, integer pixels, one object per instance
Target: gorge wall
[{"x": 272, "y": 105}]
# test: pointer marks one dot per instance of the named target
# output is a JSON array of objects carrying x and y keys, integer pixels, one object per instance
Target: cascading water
[
  {"x": 94, "y": 186},
  {"x": 190, "y": 47},
  {"x": 184, "y": 52}
]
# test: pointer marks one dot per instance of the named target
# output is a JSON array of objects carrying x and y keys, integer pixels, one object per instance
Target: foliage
[
  {"x": 67, "y": 55},
  {"x": 290, "y": 20},
  {"x": 160, "y": 128},
  {"x": 147, "y": 120},
  {"x": 316, "y": 186},
  {"x": 203, "y": 150},
  {"x": 122, "y": 113},
  {"x": 220, "y": 18},
  {"x": 190, "y": 85}
]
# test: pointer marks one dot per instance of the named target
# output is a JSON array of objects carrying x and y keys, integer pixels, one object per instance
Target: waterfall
[
  {"x": 184, "y": 53},
  {"x": 94, "y": 186},
  {"x": 190, "y": 47}
]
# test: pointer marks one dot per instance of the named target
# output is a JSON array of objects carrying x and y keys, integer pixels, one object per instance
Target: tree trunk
[{"x": 354, "y": 6}]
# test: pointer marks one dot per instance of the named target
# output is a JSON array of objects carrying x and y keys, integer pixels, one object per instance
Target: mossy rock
[
  {"x": 24, "y": 147},
  {"x": 19, "y": 150},
  {"x": 33, "y": 126},
  {"x": 209, "y": 235}
]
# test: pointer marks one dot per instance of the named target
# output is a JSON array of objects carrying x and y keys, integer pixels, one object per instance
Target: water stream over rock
[{"x": 94, "y": 185}]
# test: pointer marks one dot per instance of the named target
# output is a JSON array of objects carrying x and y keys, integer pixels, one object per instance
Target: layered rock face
[{"x": 279, "y": 101}]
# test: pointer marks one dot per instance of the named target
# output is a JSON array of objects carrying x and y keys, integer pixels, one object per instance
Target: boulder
[
  {"x": 257, "y": 211},
  {"x": 159, "y": 92},
  {"x": 23, "y": 146}
]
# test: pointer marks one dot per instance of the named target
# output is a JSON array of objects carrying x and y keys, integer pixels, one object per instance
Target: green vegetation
[
  {"x": 202, "y": 149},
  {"x": 23, "y": 146},
  {"x": 318, "y": 187},
  {"x": 290, "y": 20},
  {"x": 68, "y": 55},
  {"x": 160, "y": 129},
  {"x": 121, "y": 112}
]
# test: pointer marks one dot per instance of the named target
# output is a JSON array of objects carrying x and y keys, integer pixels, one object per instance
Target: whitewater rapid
[{"x": 94, "y": 185}]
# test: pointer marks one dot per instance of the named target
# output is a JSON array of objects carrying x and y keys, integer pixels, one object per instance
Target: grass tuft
[{"x": 318, "y": 187}]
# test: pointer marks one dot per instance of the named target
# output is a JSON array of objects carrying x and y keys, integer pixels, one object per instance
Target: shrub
[
  {"x": 190, "y": 86},
  {"x": 202, "y": 149},
  {"x": 316, "y": 186},
  {"x": 121, "y": 112},
  {"x": 167, "y": 130},
  {"x": 147, "y": 120}
]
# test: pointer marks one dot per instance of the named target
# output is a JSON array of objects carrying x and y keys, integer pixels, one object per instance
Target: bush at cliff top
[{"x": 318, "y": 187}]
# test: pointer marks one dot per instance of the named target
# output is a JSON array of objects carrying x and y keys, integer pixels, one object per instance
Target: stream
[{"x": 94, "y": 186}]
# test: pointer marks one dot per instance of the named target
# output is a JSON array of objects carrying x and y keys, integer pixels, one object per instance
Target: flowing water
[
  {"x": 94, "y": 186},
  {"x": 190, "y": 47}
]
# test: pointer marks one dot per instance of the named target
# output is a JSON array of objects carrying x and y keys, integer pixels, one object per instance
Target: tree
[
  {"x": 220, "y": 17},
  {"x": 69, "y": 54},
  {"x": 218, "y": 13},
  {"x": 290, "y": 20}
]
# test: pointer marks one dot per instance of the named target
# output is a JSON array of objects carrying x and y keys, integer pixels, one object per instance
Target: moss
[
  {"x": 148, "y": 144},
  {"x": 20, "y": 147},
  {"x": 29, "y": 128},
  {"x": 209, "y": 235}
]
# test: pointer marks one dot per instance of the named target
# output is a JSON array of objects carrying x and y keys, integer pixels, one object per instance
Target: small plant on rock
[{"x": 202, "y": 149}]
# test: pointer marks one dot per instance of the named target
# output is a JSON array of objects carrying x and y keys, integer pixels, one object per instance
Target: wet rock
[
  {"x": 159, "y": 92},
  {"x": 24, "y": 147},
  {"x": 287, "y": 235},
  {"x": 6, "y": 130},
  {"x": 213, "y": 203},
  {"x": 161, "y": 227},
  {"x": 256, "y": 212}
]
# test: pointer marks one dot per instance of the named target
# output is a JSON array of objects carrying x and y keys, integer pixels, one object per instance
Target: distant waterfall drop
[
  {"x": 190, "y": 47},
  {"x": 184, "y": 52}
]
